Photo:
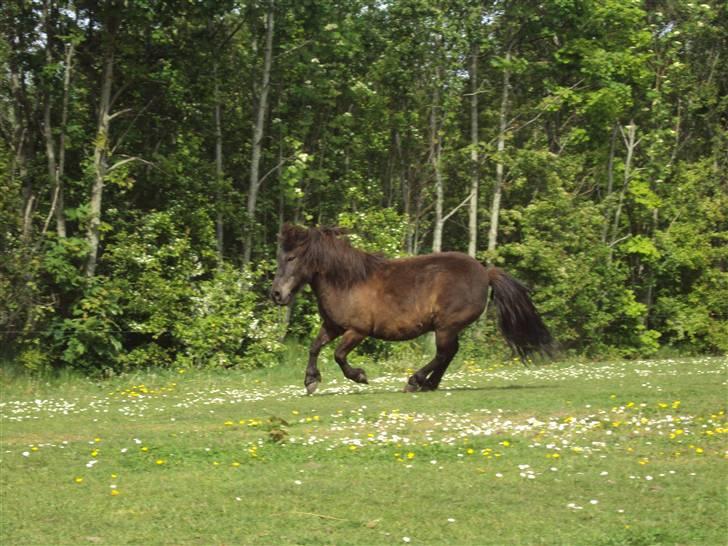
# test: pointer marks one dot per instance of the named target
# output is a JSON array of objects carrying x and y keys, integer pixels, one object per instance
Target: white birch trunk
[
  {"x": 499, "y": 168},
  {"x": 610, "y": 182},
  {"x": 435, "y": 153},
  {"x": 101, "y": 146},
  {"x": 475, "y": 182},
  {"x": 56, "y": 168},
  {"x": 630, "y": 142},
  {"x": 219, "y": 222},
  {"x": 258, "y": 130}
]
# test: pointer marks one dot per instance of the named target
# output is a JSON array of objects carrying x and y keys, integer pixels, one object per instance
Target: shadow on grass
[{"x": 400, "y": 392}]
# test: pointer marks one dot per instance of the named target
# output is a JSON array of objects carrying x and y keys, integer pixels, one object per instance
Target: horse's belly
[{"x": 397, "y": 330}]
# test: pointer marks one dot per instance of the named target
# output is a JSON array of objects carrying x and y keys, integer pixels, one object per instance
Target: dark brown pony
[{"x": 361, "y": 294}]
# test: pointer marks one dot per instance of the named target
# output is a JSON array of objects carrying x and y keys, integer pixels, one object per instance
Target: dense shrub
[{"x": 160, "y": 302}]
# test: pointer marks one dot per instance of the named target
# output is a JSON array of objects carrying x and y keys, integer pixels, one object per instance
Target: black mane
[{"x": 326, "y": 250}]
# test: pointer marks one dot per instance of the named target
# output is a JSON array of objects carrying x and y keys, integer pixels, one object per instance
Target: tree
[{"x": 261, "y": 111}]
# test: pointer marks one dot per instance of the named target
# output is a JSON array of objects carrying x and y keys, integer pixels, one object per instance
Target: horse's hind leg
[
  {"x": 349, "y": 341},
  {"x": 447, "y": 347},
  {"x": 433, "y": 381}
]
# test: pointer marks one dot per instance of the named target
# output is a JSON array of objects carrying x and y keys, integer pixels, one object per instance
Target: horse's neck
[
  {"x": 321, "y": 288},
  {"x": 326, "y": 294}
]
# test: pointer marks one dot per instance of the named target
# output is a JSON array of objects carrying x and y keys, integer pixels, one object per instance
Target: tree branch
[
  {"x": 117, "y": 94},
  {"x": 294, "y": 48},
  {"x": 453, "y": 211},
  {"x": 126, "y": 131},
  {"x": 128, "y": 160},
  {"x": 274, "y": 169},
  {"x": 119, "y": 113},
  {"x": 548, "y": 102},
  {"x": 610, "y": 245},
  {"x": 54, "y": 203}
]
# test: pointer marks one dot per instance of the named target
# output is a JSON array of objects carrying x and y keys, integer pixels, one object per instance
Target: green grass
[{"x": 617, "y": 453}]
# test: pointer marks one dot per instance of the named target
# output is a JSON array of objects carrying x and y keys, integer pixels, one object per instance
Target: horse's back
[
  {"x": 442, "y": 270},
  {"x": 435, "y": 290}
]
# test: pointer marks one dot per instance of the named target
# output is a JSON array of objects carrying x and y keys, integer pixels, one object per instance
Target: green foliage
[
  {"x": 582, "y": 292},
  {"x": 376, "y": 230},
  {"x": 91, "y": 340},
  {"x": 62, "y": 262},
  {"x": 227, "y": 325},
  {"x": 185, "y": 310}
]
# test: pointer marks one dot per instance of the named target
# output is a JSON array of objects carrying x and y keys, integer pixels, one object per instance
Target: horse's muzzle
[{"x": 278, "y": 298}]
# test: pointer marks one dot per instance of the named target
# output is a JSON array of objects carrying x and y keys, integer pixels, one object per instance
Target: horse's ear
[{"x": 292, "y": 236}]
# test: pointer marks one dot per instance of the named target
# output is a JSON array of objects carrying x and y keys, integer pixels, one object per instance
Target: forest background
[{"x": 150, "y": 152}]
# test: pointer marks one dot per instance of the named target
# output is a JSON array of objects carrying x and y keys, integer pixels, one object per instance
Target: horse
[{"x": 360, "y": 295}]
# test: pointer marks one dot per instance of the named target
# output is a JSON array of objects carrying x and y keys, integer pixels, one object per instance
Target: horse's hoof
[
  {"x": 311, "y": 387},
  {"x": 410, "y": 388},
  {"x": 360, "y": 376}
]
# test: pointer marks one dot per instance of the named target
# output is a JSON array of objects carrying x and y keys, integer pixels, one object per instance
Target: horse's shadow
[{"x": 370, "y": 392}]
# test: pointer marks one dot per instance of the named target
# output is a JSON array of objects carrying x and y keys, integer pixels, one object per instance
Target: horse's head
[
  {"x": 304, "y": 252},
  {"x": 291, "y": 273}
]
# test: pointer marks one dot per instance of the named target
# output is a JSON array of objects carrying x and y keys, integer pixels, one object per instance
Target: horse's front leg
[
  {"x": 313, "y": 375},
  {"x": 348, "y": 342}
]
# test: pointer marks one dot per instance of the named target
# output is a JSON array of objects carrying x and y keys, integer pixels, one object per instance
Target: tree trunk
[
  {"x": 53, "y": 177},
  {"x": 435, "y": 155},
  {"x": 475, "y": 182},
  {"x": 630, "y": 142},
  {"x": 101, "y": 147},
  {"x": 610, "y": 181},
  {"x": 416, "y": 231},
  {"x": 21, "y": 139},
  {"x": 219, "y": 222},
  {"x": 258, "y": 129},
  {"x": 50, "y": 145},
  {"x": 56, "y": 168},
  {"x": 498, "y": 188},
  {"x": 60, "y": 203},
  {"x": 406, "y": 191}
]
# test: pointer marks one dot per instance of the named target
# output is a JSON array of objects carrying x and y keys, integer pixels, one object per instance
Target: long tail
[{"x": 518, "y": 320}]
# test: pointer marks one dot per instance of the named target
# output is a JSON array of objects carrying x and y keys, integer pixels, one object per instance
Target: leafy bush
[
  {"x": 227, "y": 324},
  {"x": 162, "y": 300},
  {"x": 91, "y": 339},
  {"x": 582, "y": 292}
]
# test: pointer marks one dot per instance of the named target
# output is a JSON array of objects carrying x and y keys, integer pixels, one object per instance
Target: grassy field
[{"x": 583, "y": 453}]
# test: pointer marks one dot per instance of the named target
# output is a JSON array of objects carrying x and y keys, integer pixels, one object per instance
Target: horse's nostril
[{"x": 276, "y": 294}]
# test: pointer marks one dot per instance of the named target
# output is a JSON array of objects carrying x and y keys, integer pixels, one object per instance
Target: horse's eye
[{"x": 290, "y": 258}]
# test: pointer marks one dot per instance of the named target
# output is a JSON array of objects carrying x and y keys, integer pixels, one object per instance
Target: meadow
[{"x": 597, "y": 453}]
